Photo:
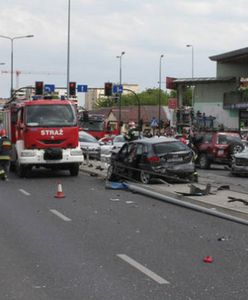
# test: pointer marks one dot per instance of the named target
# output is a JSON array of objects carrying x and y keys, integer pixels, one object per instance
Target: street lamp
[
  {"x": 68, "y": 48},
  {"x": 120, "y": 82},
  {"x": 192, "y": 62},
  {"x": 159, "y": 94},
  {"x": 12, "y": 55}
]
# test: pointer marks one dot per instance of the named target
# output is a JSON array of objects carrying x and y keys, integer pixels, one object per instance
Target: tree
[
  {"x": 147, "y": 97},
  {"x": 106, "y": 102}
]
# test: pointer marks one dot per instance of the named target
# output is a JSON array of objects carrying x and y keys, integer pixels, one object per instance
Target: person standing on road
[{"x": 5, "y": 150}]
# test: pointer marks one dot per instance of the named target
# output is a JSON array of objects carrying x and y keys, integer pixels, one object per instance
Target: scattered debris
[
  {"x": 233, "y": 199},
  {"x": 99, "y": 168},
  {"x": 223, "y": 238},
  {"x": 130, "y": 202},
  {"x": 208, "y": 259},
  {"x": 196, "y": 191},
  {"x": 93, "y": 174},
  {"x": 223, "y": 187},
  {"x": 116, "y": 185}
]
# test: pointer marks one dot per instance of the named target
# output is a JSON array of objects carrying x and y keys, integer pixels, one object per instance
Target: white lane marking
[
  {"x": 24, "y": 192},
  {"x": 143, "y": 269},
  {"x": 58, "y": 214}
]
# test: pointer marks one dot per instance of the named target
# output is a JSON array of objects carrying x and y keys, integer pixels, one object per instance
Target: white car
[
  {"x": 89, "y": 145},
  {"x": 112, "y": 145}
]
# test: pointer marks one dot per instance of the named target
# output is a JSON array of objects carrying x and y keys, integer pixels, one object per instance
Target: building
[
  {"x": 95, "y": 94},
  {"x": 224, "y": 96}
]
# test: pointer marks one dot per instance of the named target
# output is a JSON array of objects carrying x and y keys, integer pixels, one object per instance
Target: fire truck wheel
[{"x": 74, "y": 170}]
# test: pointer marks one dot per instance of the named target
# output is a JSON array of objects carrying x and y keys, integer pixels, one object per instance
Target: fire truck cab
[{"x": 96, "y": 125}]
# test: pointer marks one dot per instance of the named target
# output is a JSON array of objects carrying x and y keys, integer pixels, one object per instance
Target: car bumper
[
  {"x": 239, "y": 170},
  {"x": 181, "y": 170}
]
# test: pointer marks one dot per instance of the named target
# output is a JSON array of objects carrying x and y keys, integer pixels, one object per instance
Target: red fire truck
[
  {"x": 44, "y": 133},
  {"x": 96, "y": 125}
]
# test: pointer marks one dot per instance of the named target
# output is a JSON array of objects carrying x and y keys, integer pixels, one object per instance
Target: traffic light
[
  {"x": 72, "y": 88},
  {"x": 108, "y": 89},
  {"x": 39, "y": 86}
]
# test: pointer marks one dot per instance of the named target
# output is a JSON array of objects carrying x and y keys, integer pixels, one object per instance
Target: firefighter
[{"x": 5, "y": 149}]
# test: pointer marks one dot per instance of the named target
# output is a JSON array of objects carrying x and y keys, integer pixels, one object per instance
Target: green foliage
[
  {"x": 106, "y": 102},
  {"x": 147, "y": 97},
  {"x": 187, "y": 96}
]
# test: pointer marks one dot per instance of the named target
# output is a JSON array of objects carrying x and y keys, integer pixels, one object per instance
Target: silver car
[
  {"x": 89, "y": 145},
  {"x": 240, "y": 163}
]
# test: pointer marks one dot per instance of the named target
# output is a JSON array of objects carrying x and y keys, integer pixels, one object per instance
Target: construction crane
[{"x": 18, "y": 72}]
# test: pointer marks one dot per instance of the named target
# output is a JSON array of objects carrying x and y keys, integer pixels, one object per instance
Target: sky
[{"x": 100, "y": 30}]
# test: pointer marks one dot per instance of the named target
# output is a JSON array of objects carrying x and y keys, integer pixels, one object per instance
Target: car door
[{"x": 121, "y": 160}]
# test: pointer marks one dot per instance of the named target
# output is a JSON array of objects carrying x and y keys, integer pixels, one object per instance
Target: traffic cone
[
  {"x": 59, "y": 193},
  {"x": 208, "y": 259}
]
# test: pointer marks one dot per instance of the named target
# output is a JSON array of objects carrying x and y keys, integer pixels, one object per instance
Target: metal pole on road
[{"x": 199, "y": 208}]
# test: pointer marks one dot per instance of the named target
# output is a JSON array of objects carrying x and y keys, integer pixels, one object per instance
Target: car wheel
[
  {"x": 236, "y": 148},
  {"x": 111, "y": 173},
  {"x": 145, "y": 177},
  {"x": 204, "y": 161}
]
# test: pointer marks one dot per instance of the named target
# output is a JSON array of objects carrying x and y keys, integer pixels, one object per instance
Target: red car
[{"x": 216, "y": 147}]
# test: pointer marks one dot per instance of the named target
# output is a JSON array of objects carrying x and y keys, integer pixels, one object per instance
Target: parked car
[
  {"x": 89, "y": 145},
  {"x": 240, "y": 163},
  {"x": 216, "y": 147},
  {"x": 156, "y": 157},
  {"x": 111, "y": 145}
]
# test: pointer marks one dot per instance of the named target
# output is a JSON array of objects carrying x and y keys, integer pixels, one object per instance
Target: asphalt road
[{"x": 98, "y": 243}]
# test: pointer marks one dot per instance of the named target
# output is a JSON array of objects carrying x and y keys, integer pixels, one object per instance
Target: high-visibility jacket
[{"x": 5, "y": 148}]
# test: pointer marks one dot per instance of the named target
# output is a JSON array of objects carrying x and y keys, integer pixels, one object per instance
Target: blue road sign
[
  {"x": 154, "y": 123},
  {"x": 82, "y": 88},
  {"x": 49, "y": 88},
  {"x": 118, "y": 89}
]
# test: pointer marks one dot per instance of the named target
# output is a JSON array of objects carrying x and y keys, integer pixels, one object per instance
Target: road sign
[
  {"x": 118, "y": 89},
  {"x": 49, "y": 88},
  {"x": 82, "y": 88},
  {"x": 154, "y": 123}
]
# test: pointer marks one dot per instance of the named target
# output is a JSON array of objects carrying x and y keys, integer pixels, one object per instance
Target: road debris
[
  {"x": 233, "y": 199},
  {"x": 116, "y": 185},
  {"x": 208, "y": 259},
  {"x": 196, "y": 191}
]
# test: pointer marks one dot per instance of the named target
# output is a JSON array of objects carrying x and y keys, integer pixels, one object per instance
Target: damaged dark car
[{"x": 156, "y": 157}]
